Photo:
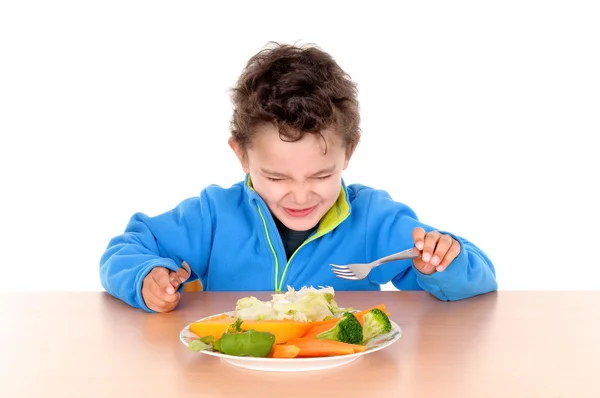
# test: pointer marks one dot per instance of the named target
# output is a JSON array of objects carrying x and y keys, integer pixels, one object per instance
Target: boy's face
[{"x": 298, "y": 181}]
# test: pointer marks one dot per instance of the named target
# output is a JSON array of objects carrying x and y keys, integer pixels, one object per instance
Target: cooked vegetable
[
  {"x": 211, "y": 327},
  {"x": 375, "y": 322},
  {"x": 251, "y": 308},
  {"x": 359, "y": 315},
  {"x": 283, "y": 329},
  {"x": 319, "y": 327},
  {"x": 197, "y": 345},
  {"x": 303, "y": 323},
  {"x": 335, "y": 309},
  {"x": 305, "y": 305},
  {"x": 284, "y": 351},
  {"x": 308, "y": 308},
  {"x": 247, "y": 343},
  {"x": 207, "y": 339},
  {"x": 235, "y": 327},
  {"x": 323, "y": 348},
  {"x": 347, "y": 330}
]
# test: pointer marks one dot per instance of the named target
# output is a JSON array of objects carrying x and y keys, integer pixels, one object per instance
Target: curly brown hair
[{"x": 300, "y": 90}]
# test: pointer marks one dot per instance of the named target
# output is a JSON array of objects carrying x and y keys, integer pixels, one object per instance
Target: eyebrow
[{"x": 323, "y": 171}]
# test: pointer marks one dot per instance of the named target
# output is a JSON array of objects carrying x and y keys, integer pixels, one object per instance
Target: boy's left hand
[{"x": 437, "y": 250}]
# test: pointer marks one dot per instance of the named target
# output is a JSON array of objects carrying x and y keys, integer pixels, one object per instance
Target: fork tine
[
  {"x": 347, "y": 272},
  {"x": 351, "y": 278},
  {"x": 344, "y": 273},
  {"x": 339, "y": 267}
]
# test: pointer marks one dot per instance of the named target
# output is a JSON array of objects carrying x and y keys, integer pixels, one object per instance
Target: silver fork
[
  {"x": 181, "y": 275},
  {"x": 356, "y": 272}
]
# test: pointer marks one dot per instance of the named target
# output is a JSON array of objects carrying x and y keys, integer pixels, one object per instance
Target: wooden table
[{"x": 507, "y": 344}]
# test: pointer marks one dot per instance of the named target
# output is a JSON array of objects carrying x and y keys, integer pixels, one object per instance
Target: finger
[
  {"x": 158, "y": 305},
  {"x": 174, "y": 279},
  {"x": 153, "y": 302},
  {"x": 423, "y": 267},
  {"x": 451, "y": 254},
  {"x": 160, "y": 293},
  {"x": 162, "y": 278},
  {"x": 160, "y": 287},
  {"x": 418, "y": 235},
  {"x": 431, "y": 240},
  {"x": 441, "y": 248},
  {"x": 155, "y": 298},
  {"x": 179, "y": 277}
]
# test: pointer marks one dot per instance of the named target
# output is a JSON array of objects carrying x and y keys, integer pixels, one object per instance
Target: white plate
[{"x": 296, "y": 364}]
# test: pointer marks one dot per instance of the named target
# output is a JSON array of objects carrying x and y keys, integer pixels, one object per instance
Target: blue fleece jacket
[{"x": 231, "y": 242}]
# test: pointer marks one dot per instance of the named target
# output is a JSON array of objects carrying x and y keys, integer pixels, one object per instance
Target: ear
[
  {"x": 349, "y": 152},
  {"x": 240, "y": 153}
]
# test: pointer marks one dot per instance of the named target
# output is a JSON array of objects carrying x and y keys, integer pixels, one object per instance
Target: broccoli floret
[
  {"x": 375, "y": 322},
  {"x": 347, "y": 330}
]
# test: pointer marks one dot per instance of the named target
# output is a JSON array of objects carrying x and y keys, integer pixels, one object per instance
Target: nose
[{"x": 301, "y": 194}]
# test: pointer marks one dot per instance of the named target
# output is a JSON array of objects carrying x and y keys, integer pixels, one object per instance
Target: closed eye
[{"x": 281, "y": 179}]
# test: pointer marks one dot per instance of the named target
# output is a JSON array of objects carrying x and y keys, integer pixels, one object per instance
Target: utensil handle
[{"x": 413, "y": 252}]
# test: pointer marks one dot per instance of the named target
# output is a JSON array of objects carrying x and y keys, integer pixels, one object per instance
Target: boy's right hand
[{"x": 158, "y": 291}]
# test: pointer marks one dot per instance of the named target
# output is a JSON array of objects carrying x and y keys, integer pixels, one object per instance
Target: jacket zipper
[
  {"x": 279, "y": 286},
  {"x": 270, "y": 245}
]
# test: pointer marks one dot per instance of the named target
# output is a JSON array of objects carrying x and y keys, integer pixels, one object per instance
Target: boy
[{"x": 294, "y": 129}]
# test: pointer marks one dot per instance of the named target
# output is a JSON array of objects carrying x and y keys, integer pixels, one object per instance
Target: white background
[{"x": 482, "y": 116}]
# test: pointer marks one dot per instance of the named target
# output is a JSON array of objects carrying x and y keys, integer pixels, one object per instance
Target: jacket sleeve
[
  {"x": 389, "y": 230},
  {"x": 183, "y": 233}
]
